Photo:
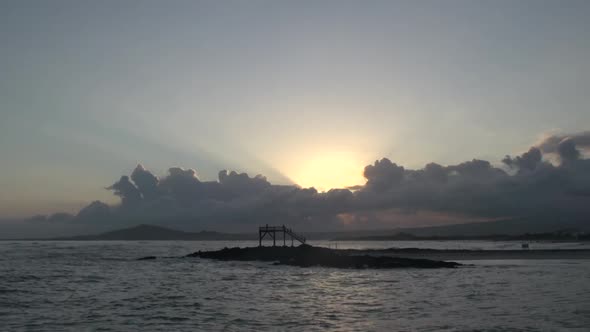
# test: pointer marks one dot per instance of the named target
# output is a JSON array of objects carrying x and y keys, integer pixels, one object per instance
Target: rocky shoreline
[{"x": 306, "y": 255}]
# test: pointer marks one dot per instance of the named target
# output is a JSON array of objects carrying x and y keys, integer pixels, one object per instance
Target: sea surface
[{"x": 100, "y": 286}]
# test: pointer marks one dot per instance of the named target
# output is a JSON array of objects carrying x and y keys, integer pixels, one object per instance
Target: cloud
[
  {"x": 96, "y": 211},
  {"x": 383, "y": 174},
  {"x": 182, "y": 185},
  {"x": 59, "y": 217},
  {"x": 471, "y": 190},
  {"x": 124, "y": 188},
  {"x": 146, "y": 182},
  {"x": 552, "y": 143},
  {"x": 241, "y": 184},
  {"x": 476, "y": 170},
  {"x": 528, "y": 161},
  {"x": 567, "y": 150}
]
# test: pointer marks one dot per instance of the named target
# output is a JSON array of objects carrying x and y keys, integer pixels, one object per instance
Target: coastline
[{"x": 461, "y": 254}]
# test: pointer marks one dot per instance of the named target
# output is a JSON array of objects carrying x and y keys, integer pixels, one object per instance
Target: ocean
[{"x": 100, "y": 286}]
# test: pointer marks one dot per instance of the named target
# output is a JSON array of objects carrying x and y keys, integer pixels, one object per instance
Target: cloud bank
[{"x": 552, "y": 178}]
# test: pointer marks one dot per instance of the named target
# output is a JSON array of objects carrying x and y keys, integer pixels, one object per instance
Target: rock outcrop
[{"x": 306, "y": 255}]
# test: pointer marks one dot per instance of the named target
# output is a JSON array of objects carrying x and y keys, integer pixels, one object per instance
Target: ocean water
[{"x": 100, "y": 286}]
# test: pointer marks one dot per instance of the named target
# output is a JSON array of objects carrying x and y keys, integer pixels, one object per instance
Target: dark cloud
[
  {"x": 240, "y": 184},
  {"x": 473, "y": 189},
  {"x": 59, "y": 217},
  {"x": 476, "y": 170},
  {"x": 38, "y": 218},
  {"x": 383, "y": 174},
  {"x": 146, "y": 182},
  {"x": 528, "y": 161},
  {"x": 182, "y": 185},
  {"x": 124, "y": 188},
  {"x": 567, "y": 150},
  {"x": 96, "y": 211},
  {"x": 435, "y": 172},
  {"x": 550, "y": 144}
]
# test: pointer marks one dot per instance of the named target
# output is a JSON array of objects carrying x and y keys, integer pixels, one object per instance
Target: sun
[{"x": 328, "y": 170}]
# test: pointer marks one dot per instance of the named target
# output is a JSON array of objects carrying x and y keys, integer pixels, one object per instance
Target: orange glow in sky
[{"x": 328, "y": 169}]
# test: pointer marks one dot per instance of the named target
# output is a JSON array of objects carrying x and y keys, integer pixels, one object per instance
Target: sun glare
[{"x": 329, "y": 170}]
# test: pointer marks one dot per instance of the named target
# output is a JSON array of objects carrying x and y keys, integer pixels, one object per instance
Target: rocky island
[{"x": 306, "y": 255}]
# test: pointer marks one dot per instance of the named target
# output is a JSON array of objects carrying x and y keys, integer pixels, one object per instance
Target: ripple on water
[{"x": 98, "y": 286}]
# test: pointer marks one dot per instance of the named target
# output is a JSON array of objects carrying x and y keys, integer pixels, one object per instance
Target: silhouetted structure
[{"x": 272, "y": 232}]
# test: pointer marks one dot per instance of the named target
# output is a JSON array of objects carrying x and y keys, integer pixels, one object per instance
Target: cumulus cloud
[
  {"x": 95, "y": 211},
  {"x": 567, "y": 150},
  {"x": 552, "y": 143},
  {"x": 383, "y": 174},
  {"x": 240, "y": 184},
  {"x": 473, "y": 189},
  {"x": 476, "y": 170},
  {"x": 182, "y": 185},
  {"x": 146, "y": 182},
  {"x": 528, "y": 161},
  {"x": 128, "y": 192}
]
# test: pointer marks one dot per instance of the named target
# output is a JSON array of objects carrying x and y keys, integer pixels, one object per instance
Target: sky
[{"x": 306, "y": 93}]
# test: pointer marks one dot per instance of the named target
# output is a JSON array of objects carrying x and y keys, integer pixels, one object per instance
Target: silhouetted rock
[{"x": 306, "y": 255}]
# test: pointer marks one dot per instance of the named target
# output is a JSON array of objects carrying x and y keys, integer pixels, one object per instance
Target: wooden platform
[{"x": 272, "y": 231}]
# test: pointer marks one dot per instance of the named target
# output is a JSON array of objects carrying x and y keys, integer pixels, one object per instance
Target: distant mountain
[
  {"x": 508, "y": 227},
  {"x": 540, "y": 224},
  {"x": 550, "y": 236},
  {"x": 549, "y": 225},
  {"x": 151, "y": 232}
]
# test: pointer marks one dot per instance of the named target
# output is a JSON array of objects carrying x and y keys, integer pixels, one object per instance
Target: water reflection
[{"x": 83, "y": 285}]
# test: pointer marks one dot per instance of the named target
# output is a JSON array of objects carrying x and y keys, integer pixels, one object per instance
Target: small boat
[{"x": 524, "y": 246}]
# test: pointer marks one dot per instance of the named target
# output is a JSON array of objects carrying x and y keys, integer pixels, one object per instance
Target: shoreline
[{"x": 463, "y": 254}]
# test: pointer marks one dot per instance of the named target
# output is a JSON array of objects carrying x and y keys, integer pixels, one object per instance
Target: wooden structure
[{"x": 272, "y": 231}]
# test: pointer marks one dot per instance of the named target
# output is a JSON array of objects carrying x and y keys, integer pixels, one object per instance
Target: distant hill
[
  {"x": 492, "y": 229},
  {"x": 151, "y": 232},
  {"x": 509, "y": 227},
  {"x": 551, "y": 236},
  {"x": 549, "y": 227}
]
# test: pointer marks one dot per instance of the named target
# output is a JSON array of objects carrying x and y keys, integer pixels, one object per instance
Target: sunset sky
[{"x": 303, "y": 92}]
